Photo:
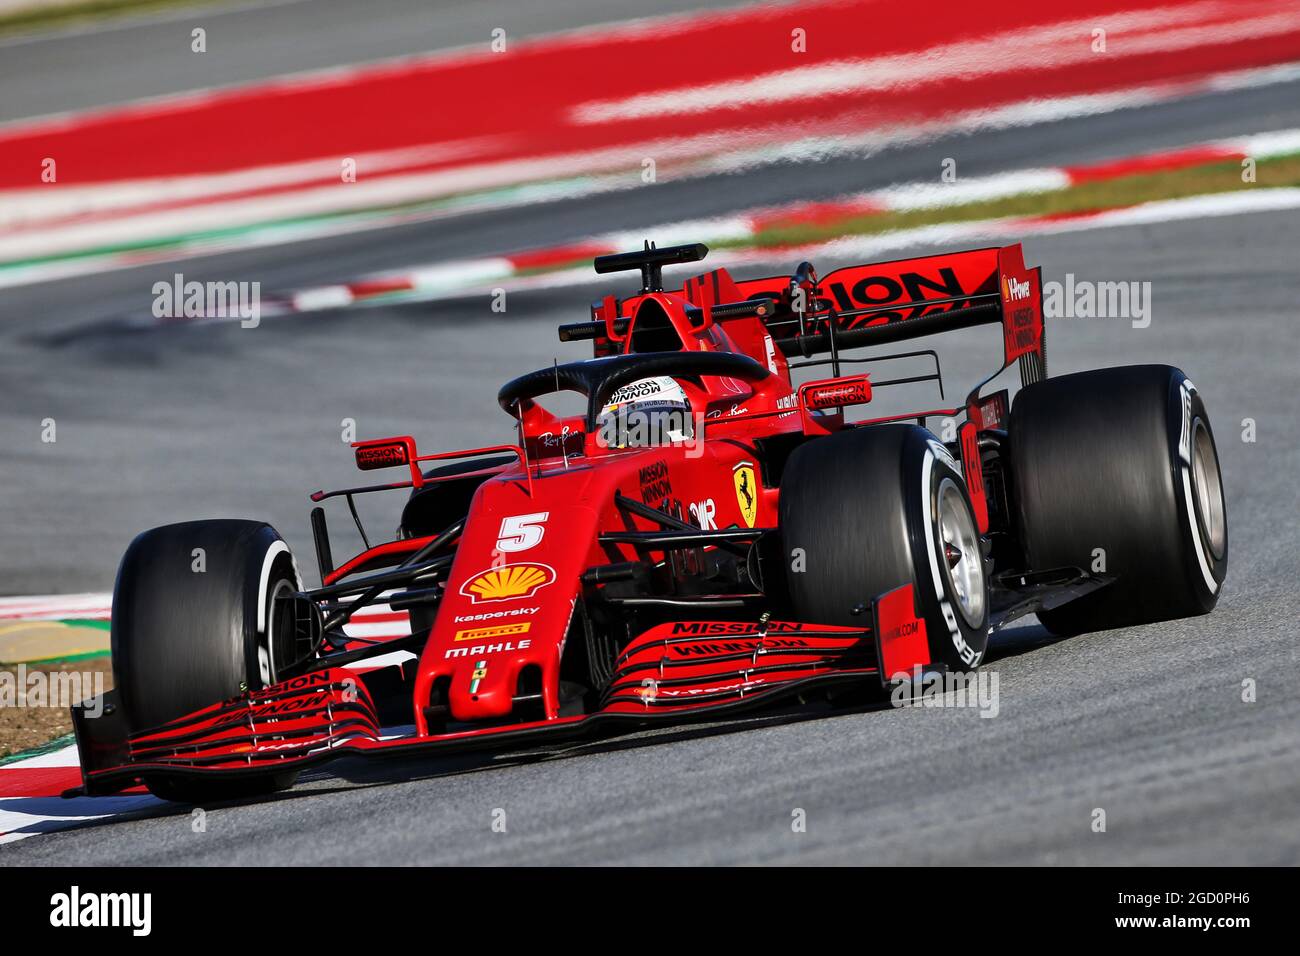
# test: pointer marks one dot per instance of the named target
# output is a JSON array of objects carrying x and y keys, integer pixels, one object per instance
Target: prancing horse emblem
[{"x": 746, "y": 492}]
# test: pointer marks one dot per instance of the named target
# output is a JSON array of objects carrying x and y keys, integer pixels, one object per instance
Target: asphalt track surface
[{"x": 1146, "y": 723}]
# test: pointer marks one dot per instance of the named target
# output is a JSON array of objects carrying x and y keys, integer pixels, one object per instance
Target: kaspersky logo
[{"x": 508, "y": 582}]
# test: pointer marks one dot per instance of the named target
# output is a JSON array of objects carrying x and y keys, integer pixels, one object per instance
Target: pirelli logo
[{"x": 489, "y": 633}]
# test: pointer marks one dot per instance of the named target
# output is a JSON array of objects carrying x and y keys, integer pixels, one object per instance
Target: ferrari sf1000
[{"x": 713, "y": 531}]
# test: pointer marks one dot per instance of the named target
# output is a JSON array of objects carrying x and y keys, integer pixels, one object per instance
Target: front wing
[{"x": 677, "y": 672}]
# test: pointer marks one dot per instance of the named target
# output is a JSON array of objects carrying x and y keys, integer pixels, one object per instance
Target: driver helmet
[{"x": 650, "y": 411}]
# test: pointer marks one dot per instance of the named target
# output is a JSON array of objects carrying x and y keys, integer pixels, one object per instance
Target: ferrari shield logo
[{"x": 746, "y": 492}]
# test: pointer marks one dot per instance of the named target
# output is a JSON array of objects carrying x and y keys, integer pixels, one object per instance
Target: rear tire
[
  {"x": 186, "y": 635},
  {"x": 872, "y": 509},
  {"x": 1122, "y": 460}
]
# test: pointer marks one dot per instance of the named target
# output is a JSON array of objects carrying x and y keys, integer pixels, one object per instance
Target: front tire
[
  {"x": 191, "y": 628},
  {"x": 1116, "y": 471},
  {"x": 875, "y": 508}
]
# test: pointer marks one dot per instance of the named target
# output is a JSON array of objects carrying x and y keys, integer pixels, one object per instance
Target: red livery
[{"x": 713, "y": 531}]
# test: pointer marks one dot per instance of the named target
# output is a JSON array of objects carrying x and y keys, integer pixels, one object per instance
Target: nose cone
[
  {"x": 484, "y": 648},
  {"x": 509, "y": 598},
  {"x": 484, "y": 664},
  {"x": 483, "y": 686}
]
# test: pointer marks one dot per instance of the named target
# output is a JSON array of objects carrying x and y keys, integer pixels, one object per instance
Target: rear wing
[
  {"x": 878, "y": 303},
  {"x": 852, "y": 307}
]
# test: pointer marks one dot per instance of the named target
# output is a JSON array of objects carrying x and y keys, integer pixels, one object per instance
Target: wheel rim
[
  {"x": 962, "y": 556},
  {"x": 279, "y": 638},
  {"x": 1207, "y": 488}
]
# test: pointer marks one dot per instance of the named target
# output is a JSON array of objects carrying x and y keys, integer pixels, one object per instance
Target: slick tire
[
  {"x": 190, "y": 625},
  {"x": 872, "y": 509},
  {"x": 1115, "y": 471}
]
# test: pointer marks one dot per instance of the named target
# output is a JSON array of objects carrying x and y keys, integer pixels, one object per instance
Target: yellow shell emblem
[
  {"x": 507, "y": 582},
  {"x": 746, "y": 493}
]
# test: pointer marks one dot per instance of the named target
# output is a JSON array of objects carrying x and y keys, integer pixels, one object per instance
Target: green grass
[
  {"x": 58, "y": 743},
  {"x": 1221, "y": 177},
  {"x": 82, "y": 11}
]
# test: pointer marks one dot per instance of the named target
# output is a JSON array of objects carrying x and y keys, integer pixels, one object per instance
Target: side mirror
[
  {"x": 835, "y": 392},
  {"x": 384, "y": 452}
]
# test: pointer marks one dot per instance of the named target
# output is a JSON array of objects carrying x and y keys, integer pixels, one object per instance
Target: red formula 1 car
[{"x": 703, "y": 536}]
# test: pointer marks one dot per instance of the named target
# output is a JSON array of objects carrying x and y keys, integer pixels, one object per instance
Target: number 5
[{"x": 521, "y": 532}]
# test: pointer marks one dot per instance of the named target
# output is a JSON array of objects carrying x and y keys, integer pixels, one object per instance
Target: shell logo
[{"x": 508, "y": 582}]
